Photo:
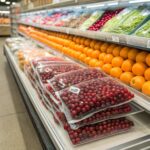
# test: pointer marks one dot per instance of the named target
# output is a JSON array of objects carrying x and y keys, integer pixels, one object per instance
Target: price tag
[
  {"x": 47, "y": 69},
  {"x": 148, "y": 44},
  {"x": 74, "y": 89},
  {"x": 115, "y": 39},
  {"x": 67, "y": 31}
]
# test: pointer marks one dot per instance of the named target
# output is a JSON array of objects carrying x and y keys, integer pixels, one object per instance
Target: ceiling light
[
  {"x": 3, "y": 0},
  {"x": 13, "y": 3},
  {"x": 7, "y": 2}
]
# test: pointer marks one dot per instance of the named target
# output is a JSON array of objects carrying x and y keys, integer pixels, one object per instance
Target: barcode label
[
  {"x": 148, "y": 44},
  {"x": 115, "y": 39},
  {"x": 74, "y": 89}
]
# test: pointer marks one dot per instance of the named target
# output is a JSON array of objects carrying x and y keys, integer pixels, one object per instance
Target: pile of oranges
[{"x": 130, "y": 65}]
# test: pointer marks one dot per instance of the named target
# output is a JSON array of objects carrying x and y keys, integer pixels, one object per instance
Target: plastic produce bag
[
  {"x": 144, "y": 30},
  {"x": 65, "y": 80},
  {"x": 132, "y": 22},
  {"x": 106, "y": 16},
  {"x": 91, "y": 20},
  {"x": 97, "y": 131},
  {"x": 45, "y": 73},
  {"x": 113, "y": 23},
  {"x": 82, "y": 100}
]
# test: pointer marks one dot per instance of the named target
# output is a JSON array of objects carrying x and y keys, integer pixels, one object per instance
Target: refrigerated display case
[{"x": 51, "y": 37}]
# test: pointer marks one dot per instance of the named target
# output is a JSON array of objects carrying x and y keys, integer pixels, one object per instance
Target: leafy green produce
[
  {"x": 144, "y": 30},
  {"x": 132, "y": 21},
  {"x": 93, "y": 18},
  {"x": 113, "y": 23}
]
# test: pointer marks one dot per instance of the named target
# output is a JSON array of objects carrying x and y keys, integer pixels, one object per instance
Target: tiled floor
[{"x": 16, "y": 129}]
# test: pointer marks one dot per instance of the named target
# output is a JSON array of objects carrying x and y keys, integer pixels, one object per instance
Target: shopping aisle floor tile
[
  {"x": 17, "y": 133},
  {"x": 16, "y": 129}
]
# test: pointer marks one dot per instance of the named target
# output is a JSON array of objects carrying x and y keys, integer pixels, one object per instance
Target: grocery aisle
[{"x": 16, "y": 129}]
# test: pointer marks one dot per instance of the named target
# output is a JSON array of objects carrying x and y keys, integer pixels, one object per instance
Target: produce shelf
[
  {"x": 128, "y": 40},
  {"x": 141, "y": 99},
  {"x": 55, "y": 132},
  {"x": 84, "y": 3}
]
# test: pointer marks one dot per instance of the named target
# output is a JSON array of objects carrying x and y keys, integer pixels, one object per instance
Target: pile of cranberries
[
  {"x": 65, "y": 80},
  {"x": 91, "y": 96},
  {"x": 98, "y": 130},
  {"x": 35, "y": 61},
  {"x": 47, "y": 72},
  {"x": 106, "y": 16},
  {"x": 85, "y": 92}
]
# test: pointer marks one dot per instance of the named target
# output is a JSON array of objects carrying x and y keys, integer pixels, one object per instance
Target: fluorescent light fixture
[
  {"x": 13, "y": 3},
  {"x": 3, "y": 0},
  {"x": 95, "y": 5},
  {"x": 139, "y": 1},
  {"x": 7, "y": 2},
  {"x": 113, "y": 4}
]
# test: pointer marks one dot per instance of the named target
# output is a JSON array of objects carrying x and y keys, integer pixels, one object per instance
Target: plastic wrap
[
  {"x": 84, "y": 99},
  {"x": 45, "y": 73},
  {"x": 97, "y": 131},
  {"x": 144, "y": 30},
  {"x": 65, "y": 80}
]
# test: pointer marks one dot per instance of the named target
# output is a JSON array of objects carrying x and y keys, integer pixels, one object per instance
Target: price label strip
[
  {"x": 148, "y": 44},
  {"x": 115, "y": 39}
]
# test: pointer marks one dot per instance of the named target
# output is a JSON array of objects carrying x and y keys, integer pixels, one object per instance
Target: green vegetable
[
  {"x": 113, "y": 23},
  {"x": 144, "y": 30},
  {"x": 132, "y": 22},
  {"x": 93, "y": 18}
]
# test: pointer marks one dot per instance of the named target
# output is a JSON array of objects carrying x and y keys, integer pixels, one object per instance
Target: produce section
[{"x": 87, "y": 90}]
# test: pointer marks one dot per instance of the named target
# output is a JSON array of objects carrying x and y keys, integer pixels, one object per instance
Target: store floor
[{"x": 16, "y": 129}]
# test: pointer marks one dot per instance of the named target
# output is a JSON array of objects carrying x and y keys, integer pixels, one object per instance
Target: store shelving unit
[
  {"x": 43, "y": 120},
  {"x": 140, "y": 99},
  {"x": 129, "y": 40},
  {"x": 52, "y": 135},
  {"x": 4, "y": 28}
]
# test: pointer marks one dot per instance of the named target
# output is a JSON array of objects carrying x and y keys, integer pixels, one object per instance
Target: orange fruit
[
  {"x": 89, "y": 52},
  {"x": 104, "y": 47},
  {"x": 116, "y": 72},
  {"x": 107, "y": 68},
  {"x": 146, "y": 88},
  {"x": 147, "y": 74},
  {"x": 82, "y": 57},
  {"x": 127, "y": 65},
  {"x": 87, "y": 42},
  {"x": 141, "y": 57},
  {"x": 132, "y": 54},
  {"x": 137, "y": 82},
  {"x": 93, "y": 62},
  {"x": 110, "y": 48},
  {"x": 126, "y": 77},
  {"x": 124, "y": 52},
  {"x": 116, "y": 51},
  {"x": 81, "y": 48},
  {"x": 139, "y": 68},
  {"x": 87, "y": 60},
  {"x": 148, "y": 59},
  {"x": 78, "y": 55},
  {"x": 85, "y": 50},
  {"x": 108, "y": 58},
  {"x": 95, "y": 54},
  {"x": 117, "y": 61},
  {"x": 99, "y": 64},
  {"x": 101, "y": 56},
  {"x": 82, "y": 40},
  {"x": 97, "y": 45},
  {"x": 92, "y": 43}
]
